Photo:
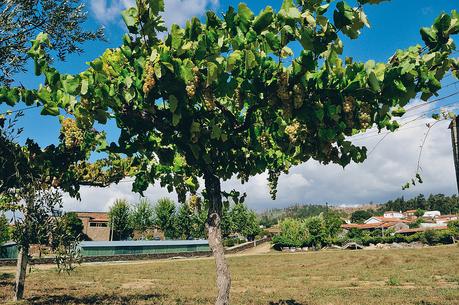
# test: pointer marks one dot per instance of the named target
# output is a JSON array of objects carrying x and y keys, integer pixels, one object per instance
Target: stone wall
[{"x": 112, "y": 258}]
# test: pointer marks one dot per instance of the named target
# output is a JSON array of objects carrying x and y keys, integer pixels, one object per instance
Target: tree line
[
  {"x": 184, "y": 221},
  {"x": 435, "y": 202}
]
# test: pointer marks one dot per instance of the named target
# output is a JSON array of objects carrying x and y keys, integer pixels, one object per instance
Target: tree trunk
[
  {"x": 23, "y": 255},
  {"x": 21, "y": 270},
  {"x": 215, "y": 238}
]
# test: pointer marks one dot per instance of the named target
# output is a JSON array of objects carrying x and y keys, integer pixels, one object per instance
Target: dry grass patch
[{"x": 402, "y": 276}]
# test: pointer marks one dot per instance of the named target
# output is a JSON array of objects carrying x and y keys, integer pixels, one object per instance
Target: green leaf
[
  {"x": 398, "y": 112},
  {"x": 307, "y": 38},
  {"x": 50, "y": 109},
  {"x": 71, "y": 84},
  {"x": 263, "y": 20},
  {"x": 250, "y": 60},
  {"x": 176, "y": 35},
  {"x": 319, "y": 114},
  {"x": 216, "y": 132},
  {"x": 176, "y": 117},
  {"x": 173, "y": 103},
  {"x": 374, "y": 82},
  {"x": 429, "y": 36},
  {"x": 399, "y": 85},
  {"x": 244, "y": 12},
  {"x": 245, "y": 16},
  {"x": 130, "y": 18},
  {"x": 156, "y": 6},
  {"x": 212, "y": 73},
  {"x": 233, "y": 58}
]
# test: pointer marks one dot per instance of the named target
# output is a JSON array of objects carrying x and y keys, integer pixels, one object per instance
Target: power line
[
  {"x": 390, "y": 132},
  {"x": 433, "y": 101},
  {"x": 387, "y": 132},
  {"x": 18, "y": 110}
]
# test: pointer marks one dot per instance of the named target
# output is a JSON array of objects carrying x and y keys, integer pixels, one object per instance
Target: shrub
[
  {"x": 393, "y": 281},
  {"x": 293, "y": 234}
]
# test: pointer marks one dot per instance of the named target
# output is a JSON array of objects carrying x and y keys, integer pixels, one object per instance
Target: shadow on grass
[
  {"x": 286, "y": 302},
  {"x": 6, "y": 279},
  {"x": 91, "y": 299}
]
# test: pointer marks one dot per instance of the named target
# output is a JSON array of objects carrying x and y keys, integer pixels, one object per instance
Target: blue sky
[{"x": 394, "y": 24}]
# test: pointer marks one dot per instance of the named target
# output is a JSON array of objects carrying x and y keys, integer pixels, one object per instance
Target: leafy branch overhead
[
  {"x": 229, "y": 96},
  {"x": 22, "y": 20}
]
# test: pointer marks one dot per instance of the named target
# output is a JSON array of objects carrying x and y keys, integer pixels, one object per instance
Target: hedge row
[{"x": 429, "y": 237}]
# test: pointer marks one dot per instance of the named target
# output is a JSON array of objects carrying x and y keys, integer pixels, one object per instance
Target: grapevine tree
[{"x": 228, "y": 97}]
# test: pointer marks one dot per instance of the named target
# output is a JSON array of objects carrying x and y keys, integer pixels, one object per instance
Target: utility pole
[{"x": 454, "y": 126}]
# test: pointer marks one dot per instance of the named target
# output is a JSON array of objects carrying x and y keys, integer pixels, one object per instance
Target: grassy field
[{"x": 406, "y": 276}]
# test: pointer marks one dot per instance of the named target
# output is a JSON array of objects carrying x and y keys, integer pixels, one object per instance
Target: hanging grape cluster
[
  {"x": 298, "y": 96},
  {"x": 273, "y": 179},
  {"x": 149, "y": 77},
  {"x": 348, "y": 104},
  {"x": 284, "y": 93},
  {"x": 209, "y": 98},
  {"x": 193, "y": 85},
  {"x": 365, "y": 117},
  {"x": 71, "y": 134},
  {"x": 264, "y": 140},
  {"x": 296, "y": 132}
]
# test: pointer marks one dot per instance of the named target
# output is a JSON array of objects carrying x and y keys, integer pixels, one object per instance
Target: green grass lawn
[{"x": 406, "y": 276}]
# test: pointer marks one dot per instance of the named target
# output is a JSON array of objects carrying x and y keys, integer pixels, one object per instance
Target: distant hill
[{"x": 438, "y": 202}]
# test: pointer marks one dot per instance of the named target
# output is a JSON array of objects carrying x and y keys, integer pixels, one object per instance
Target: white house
[
  {"x": 431, "y": 214},
  {"x": 444, "y": 219},
  {"x": 393, "y": 214},
  {"x": 428, "y": 225},
  {"x": 374, "y": 219}
]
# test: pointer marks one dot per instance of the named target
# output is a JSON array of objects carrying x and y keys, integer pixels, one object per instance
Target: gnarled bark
[{"x": 215, "y": 238}]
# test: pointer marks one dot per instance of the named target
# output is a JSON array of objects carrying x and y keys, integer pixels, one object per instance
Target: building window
[{"x": 98, "y": 224}]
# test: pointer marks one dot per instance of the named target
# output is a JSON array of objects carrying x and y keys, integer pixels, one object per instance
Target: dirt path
[{"x": 261, "y": 249}]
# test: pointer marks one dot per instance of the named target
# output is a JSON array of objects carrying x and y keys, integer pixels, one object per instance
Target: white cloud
[
  {"x": 176, "y": 11},
  {"x": 109, "y": 11}
]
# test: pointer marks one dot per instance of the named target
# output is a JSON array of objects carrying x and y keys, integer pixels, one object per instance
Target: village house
[
  {"x": 431, "y": 214},
  {"x": 444, "y": 219},
  {"x": 393, "y": 214},
  {"x": 384, "y": 219},
  {"x": 395, "y": 226},
  {"x": 409, "y": 213},
  {"x": 95, "y": 225}
]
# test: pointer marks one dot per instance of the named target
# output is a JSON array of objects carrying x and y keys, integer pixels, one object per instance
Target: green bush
[{"x": 293, "y": 234}]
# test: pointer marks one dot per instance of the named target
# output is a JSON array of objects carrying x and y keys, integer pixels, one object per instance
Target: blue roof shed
[{"x": 132, "y": 247}]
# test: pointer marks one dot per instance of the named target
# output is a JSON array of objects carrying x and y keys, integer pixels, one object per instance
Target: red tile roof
[
  {"x": 415, "y": 230},
  {"x": 368, "y": 225},
  {"x": 94, "y": 216},
  {"x": 389, "y": 219}
]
